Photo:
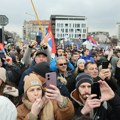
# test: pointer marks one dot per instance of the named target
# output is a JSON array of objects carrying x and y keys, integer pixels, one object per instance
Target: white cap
[
  {"x": 79, "y": 61},
  {"x": 7, "y": 109}
]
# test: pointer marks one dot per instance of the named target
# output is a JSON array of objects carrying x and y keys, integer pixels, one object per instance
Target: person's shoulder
[{"x": 21, "y": 107}]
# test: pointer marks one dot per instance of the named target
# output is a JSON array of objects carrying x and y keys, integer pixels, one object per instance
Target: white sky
[{"x": 102, "y": 15}]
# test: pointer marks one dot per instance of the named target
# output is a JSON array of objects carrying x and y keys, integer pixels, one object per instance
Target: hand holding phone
[
  {"x": 95, "y": 89},
  {"x": 105, "y": 65},
  {"x": 51, "y": 79}
]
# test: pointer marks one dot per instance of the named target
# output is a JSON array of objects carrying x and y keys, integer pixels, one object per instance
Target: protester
[
  {"x": 60, "y": 52},
  {"x": 87, "y": 56},
  {"x": 6, "y": 88},
  {"x": 74, "y": 58},
  {"x": 62, "y": 75},
  {"x": 79, "y": 69},
  {"x": 43, "y": 105},
  {"x": 103, "y": 74},
  {"x": 105, "y": 108},
  {"x": 40, "y": 56}
]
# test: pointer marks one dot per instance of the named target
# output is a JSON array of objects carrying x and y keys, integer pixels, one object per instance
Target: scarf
[{"x": 47, "y": 112}]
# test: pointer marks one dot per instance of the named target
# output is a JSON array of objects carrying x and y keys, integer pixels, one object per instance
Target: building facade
[
  {"x": 32, "y": 28},
  {"x": 73, "y": 27}
]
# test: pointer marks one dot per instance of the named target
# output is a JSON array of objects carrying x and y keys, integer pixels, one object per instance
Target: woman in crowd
[
  {"x": 40, "y": 105},
  {"x": 5, "y": 88},
  {"x": 79, "y": 69}
]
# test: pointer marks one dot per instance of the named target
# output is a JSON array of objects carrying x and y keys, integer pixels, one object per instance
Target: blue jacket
[
  {"x": 86, "y": 58},
  {"x": 53, "y": 65}
]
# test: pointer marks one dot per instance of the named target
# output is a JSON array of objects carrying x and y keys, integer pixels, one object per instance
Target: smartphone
[
  {"x": 95, "y": 89},
  {"x": 51, "y": 78},
  {"x": 105, "y": 65},
  {"x": 38, "y": 39},
  {"x": 2, "y": 55}
]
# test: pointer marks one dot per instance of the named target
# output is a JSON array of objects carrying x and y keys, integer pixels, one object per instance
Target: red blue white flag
[
  {"x": 49, "y": 39},
  {"x": 92, "y": 40}
]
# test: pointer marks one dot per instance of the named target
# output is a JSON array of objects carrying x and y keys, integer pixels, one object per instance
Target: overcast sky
[{"x": 102, "y": 15}]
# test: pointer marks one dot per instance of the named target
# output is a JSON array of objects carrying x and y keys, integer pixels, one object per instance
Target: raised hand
[
  {"x": 54, "y": 94},
  {"x": 106, "y": 92},
  {"x": 38, "y": 105},
  {"x": 90, "y": 103}
]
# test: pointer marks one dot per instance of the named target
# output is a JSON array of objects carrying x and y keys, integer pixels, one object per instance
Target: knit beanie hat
[
  {"x": 3, "y": 74},
  {"x": 79, "y": 61},
  {"x": 31, "y": 80},
  {"x": 83, "y": 77},
  {"x": 7, "y": 109},
  {"x": 41, "y": 68}
]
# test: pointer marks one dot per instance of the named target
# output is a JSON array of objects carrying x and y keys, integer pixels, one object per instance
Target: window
[
  {"x": 78, "y": 25},
  {"x": 78, "y": 30},
  {"x": 83, "y": 25},
  {"x": 58, "y": 24},
  {"x": 58, "y": 35},
  {"x": 62, "y": 30},
  {"x": 57, "y": 30},
  {"x": 84, "y": 30},
  {"x": 66, "y": 30},
  {"x": 70, "y": 30},
  {"x": 66, "y": 25},
  {"x": 61, "y": 25}
]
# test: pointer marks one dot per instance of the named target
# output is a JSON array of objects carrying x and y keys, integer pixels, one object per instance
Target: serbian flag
[
  {"x": 49, "y": 39},
  {"x": 91, "y": 40}
]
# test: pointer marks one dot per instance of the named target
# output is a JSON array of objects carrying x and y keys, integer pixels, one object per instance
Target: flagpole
[{"x": 37, "y": 18}]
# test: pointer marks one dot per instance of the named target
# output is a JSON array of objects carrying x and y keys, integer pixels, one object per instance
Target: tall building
[
  {"x": 31, "y": 28},
  {"x": 67, "y": 25},
  {"x": 118, "y": 30}
]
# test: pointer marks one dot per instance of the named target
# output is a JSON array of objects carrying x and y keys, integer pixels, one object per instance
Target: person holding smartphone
[
  {"x": 104, "y": 107},
  {"x": 43, "y": 105}
]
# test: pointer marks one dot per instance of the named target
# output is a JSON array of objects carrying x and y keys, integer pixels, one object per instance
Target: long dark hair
[{"x": 2, "y": 88}]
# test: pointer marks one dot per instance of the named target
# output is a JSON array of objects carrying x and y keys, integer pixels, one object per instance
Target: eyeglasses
[{"x": 61, "y": 64}]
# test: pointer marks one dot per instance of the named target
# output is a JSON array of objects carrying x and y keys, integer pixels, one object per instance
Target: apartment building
[{"x": 68, "y": 25}]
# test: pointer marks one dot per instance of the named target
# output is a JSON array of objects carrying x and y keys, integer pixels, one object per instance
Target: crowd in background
[{"x": 23, "y": 91}]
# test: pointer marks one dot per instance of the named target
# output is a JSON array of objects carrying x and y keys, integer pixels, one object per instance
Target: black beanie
[
  {"x": 83, "y": 77},
  {"x": 41, "y": 68}
]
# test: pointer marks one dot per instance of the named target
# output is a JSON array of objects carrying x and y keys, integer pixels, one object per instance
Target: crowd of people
[{"x": 25, "y": 96}]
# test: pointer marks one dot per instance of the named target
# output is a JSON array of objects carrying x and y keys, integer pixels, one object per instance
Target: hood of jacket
[{"x": 75, "y": 96}]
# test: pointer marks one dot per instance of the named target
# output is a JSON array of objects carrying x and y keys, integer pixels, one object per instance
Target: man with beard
[{"x": 85, "y": 103}]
